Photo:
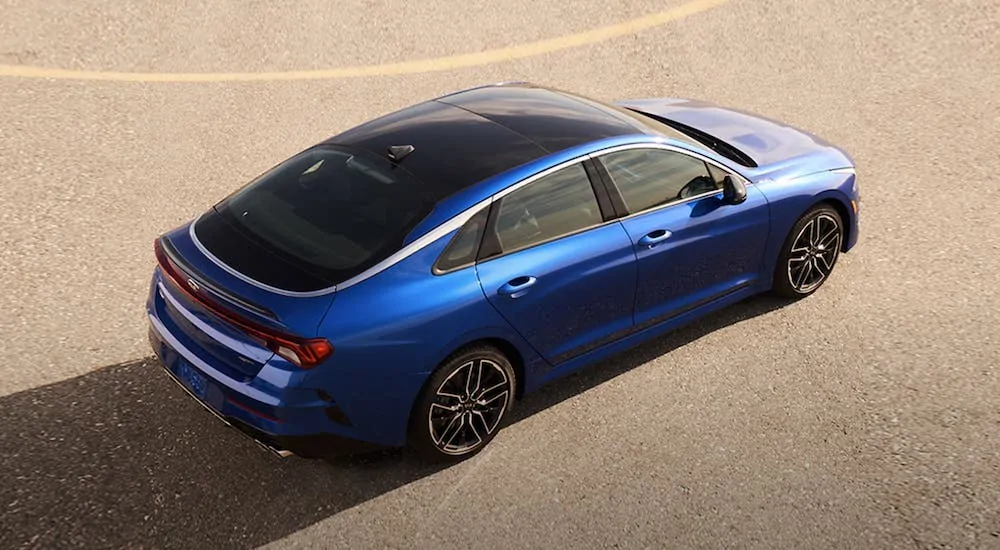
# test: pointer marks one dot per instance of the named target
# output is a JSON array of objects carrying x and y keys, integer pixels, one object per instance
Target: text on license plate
[{"x": 193, "y": 379}]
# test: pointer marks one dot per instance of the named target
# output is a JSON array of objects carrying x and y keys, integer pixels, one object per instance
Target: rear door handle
[
  {"x": 517, "y": 287},
  {"x": 655, "y": 237}
]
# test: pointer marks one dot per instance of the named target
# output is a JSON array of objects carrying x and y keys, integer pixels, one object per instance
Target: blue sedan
[{"x": 406, "y": 282}]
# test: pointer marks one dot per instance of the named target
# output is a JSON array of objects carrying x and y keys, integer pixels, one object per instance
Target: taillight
[
  {"x": 302, "y": 353},
  {"x": 305, "y": 353}
]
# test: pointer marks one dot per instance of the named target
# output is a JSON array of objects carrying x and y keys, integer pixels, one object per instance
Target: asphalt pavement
[{"x": 867, "y": 416}]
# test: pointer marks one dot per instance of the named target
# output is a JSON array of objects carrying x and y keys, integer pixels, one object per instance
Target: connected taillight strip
[{"x": 302, "y": 352}]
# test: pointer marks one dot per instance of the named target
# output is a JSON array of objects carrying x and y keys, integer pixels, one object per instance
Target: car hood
[{"x": 774, "y": 146}]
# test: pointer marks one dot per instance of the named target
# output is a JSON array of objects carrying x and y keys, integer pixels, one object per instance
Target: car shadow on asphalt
[{"x": 121, "y": 457}]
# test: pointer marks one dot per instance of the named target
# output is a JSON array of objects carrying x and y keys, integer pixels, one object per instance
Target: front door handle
[
  {"x": 517, "y": 287},
  {"x": 655, "y": 237}
]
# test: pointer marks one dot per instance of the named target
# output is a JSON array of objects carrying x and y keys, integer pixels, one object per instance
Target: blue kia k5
[{"x": 404, "y": 283}]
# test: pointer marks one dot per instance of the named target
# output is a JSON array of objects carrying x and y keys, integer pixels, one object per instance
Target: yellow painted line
[{"x": 446, "y": 63}]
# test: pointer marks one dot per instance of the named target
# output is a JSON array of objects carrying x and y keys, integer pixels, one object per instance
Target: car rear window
[{"x": 315, "y": 220}]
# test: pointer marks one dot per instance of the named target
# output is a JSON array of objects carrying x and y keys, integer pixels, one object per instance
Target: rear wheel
[
  {"x": 463, "y": 405},
  {"x": 810, "y": 253}
]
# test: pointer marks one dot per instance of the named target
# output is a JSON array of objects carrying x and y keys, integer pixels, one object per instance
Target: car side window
[
  {"x": 462, "y": 250},
  {"x": 552, "y": 206},
  {"x": 648, "y": 178}
]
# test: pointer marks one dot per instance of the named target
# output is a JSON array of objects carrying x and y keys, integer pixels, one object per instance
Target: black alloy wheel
[
  {"x": 810, "y": 253},
  {"x": 463, "y": 405}
]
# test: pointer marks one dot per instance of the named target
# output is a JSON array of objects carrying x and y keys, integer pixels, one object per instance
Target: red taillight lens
[
  {"x": 305, "y": 353},
  {"x": 302, "y": 353}
]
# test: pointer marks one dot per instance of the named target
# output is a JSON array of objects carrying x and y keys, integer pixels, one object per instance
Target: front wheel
[
  {"x": 810, "y": 253},
  {"x": 463, "y": 405}
]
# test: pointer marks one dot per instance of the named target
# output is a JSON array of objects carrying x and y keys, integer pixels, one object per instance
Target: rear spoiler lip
[{"x": 203, "y": 282}]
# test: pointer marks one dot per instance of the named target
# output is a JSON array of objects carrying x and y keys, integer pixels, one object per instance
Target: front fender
[{"x": 791, "y": 198}]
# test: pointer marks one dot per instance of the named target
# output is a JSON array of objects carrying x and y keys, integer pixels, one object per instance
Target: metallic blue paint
[
  {"x": 576, "y": 299},
  {"x": 713, "y": 248},
  {"x": 595, "y": 293},
  {"x": 776, "y": 147}
]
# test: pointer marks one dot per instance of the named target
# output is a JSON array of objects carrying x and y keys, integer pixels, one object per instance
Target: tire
[
  {"x": 463, "y": 405},
  {"x": 809, "y": 253}
]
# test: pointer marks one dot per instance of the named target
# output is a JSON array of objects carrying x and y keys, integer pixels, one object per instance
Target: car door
[
  {"x": 691, "y": 246},
  {"x": 559, "y": 269}
]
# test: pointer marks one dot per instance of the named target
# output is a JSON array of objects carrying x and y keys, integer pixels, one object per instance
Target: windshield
[
  {"x": 640, "y": 121},
  {"x": 664, "y": 125},
  {"x": 648, "y": 123},
  {"x": 315, "y": 220}
]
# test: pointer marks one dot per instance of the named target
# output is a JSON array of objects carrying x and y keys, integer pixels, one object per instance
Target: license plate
[{"x": 192, "y": 379}]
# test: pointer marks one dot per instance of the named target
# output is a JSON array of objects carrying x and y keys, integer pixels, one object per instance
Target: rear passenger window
[{"x": 555, "y": 205}]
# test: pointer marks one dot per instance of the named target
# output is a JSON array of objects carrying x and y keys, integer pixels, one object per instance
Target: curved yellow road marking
[{"x": 460, "y": 61}]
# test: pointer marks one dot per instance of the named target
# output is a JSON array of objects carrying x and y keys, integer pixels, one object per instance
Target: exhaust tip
[{"x": 271, "y": 448}]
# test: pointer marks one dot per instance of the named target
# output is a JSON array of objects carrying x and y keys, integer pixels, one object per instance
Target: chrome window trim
[
  {"x": 459, "y": 220},
  {"x": 670, "y": 204},
  {"x": 668, "y": 147},
  {"x": 549, "y": 240},
  {"x": 539, "y": 175},
  {"x": 452, "y": 224},
  {"x": 408, "y": 250}
]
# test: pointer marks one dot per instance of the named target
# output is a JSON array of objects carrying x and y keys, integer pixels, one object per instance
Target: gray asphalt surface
[{"x": 866, "y": 416}]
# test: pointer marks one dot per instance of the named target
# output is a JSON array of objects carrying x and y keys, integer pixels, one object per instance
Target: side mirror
[{"x": 733, "y": 190}]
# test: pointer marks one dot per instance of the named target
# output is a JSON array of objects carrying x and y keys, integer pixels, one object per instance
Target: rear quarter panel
[{"x": 392, "y": 330}]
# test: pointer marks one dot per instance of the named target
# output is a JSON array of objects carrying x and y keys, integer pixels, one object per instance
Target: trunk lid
[{"x": 202, "y": 304}]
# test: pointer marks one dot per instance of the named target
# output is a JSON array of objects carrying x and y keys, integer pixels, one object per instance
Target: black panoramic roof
[
  {"x": 466, "y": 137},
  {"x": 554, "y": 120}
]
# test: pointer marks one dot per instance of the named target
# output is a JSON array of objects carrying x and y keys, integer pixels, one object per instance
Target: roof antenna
[{"x": 398, "y": 152}]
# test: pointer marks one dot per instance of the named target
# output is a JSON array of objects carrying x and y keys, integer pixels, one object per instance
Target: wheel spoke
[
  {"x": 801, "y": 258},
  {"x": 474, "y": 378},
  {"x": 483, "y": 394},
  {"x": 827, "y": 263},
  {"x": 452, "y": 428},
  {"x": 488, "y": 402},
  {"x": 828, "y": 239},
  {"x": 472, "y": 426},
  {"x": 801, "y": 279},
  {"x": 814, "y": 232},
  {"x": 448, "y": 408},
  {"x": 486, "y": 424},
  {"x": 818, "y": 269}
]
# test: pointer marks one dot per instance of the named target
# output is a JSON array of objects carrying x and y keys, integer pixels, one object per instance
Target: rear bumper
[
  {"x": 306, "y": 446},
  {"x": 276, "y": 449},
  {"x": 276, "y": 432}
]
